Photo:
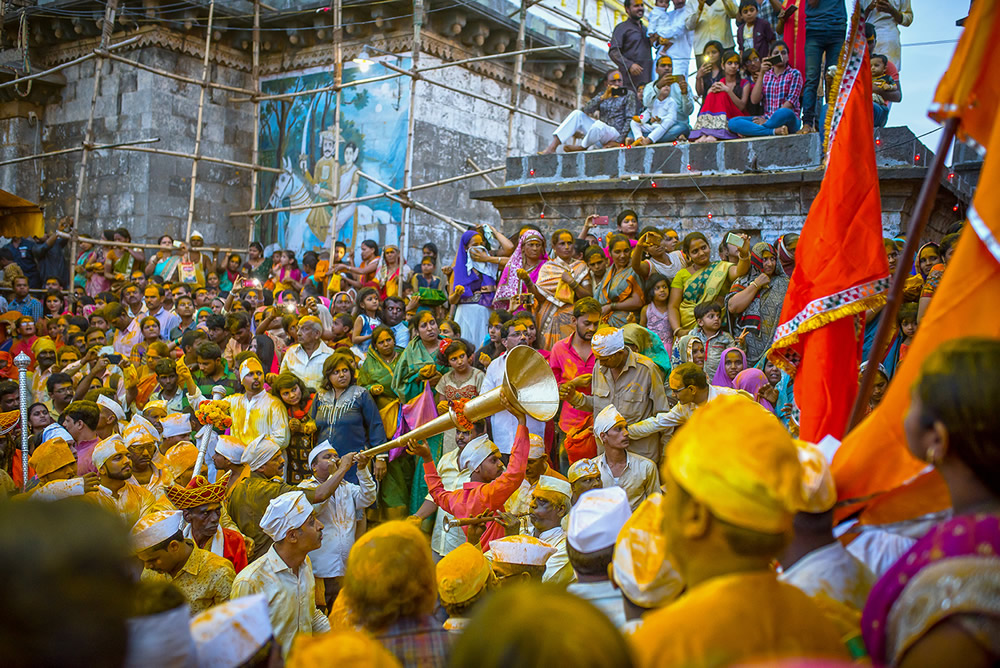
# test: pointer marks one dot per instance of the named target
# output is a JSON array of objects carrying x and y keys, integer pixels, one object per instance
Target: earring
[{"x": 932, "y": 457}]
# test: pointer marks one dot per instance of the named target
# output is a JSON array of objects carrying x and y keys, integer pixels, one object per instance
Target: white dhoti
[
  {"x": 654, "y": 131},
  {"x": 595, "y": 133},
  {"x": 474, "y": 319}
]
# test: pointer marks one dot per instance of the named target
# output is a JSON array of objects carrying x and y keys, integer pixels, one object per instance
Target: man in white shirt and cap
[
  {"x": 583, "y": 475},
  {"x": 141, "y": 443},
  {"x": 249, "y": 498},
  {"x": 627, "y": 380},
  {"x": 113, "y": 418},
  {"x": 548, "y": 507},
  {"x": 690, "y": 387},
  {"x": 339, "y": 513},
  {"x": 204, "y": 578},
  {"x": 236, "y": 633},
  {"x": 633, "y": 473},
  {"x": 284, "y": 574},
  {"x": 594, "y": 524}
]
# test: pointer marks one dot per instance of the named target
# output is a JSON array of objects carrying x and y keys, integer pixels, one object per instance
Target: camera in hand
[
  {"x": 618, "y": 91},
  {"x": 774, "y": 60}
]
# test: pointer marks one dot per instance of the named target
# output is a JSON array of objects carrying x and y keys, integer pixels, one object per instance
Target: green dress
[
  {"x": 376, "y": 371},
  {"x": 407, "y": 384}
]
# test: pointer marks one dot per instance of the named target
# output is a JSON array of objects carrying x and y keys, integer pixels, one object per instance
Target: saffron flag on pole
[
  {"x": 834, "y": 280},
  {"x": 874, "y": 457}
]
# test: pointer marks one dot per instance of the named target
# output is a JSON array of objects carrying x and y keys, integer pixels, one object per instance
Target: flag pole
[{"x": 925, "y": 202}]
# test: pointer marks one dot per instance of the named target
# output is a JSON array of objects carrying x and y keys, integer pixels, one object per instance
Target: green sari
[
  {"x": 706, "y": 285},
  {"x": 376, "y": 371},
  {"x": 406, "y": 486},
  {"x": 618, "y": 285}
]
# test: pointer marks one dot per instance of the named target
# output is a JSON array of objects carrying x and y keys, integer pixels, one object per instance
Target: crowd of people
[
  {"x": 221, "y": 407},
  {"x": 766, "y": 82}
]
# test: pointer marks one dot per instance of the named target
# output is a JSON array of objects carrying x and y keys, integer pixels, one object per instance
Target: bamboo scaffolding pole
[
  {"x": 472, "y": 163},
  {"x": 365, "y": 198},
  {"x": 203, "y": 158},
  {"x": 199, "y": 128},
  {"x": 255, "y": 152},
  {"x": 88, "y": 141},
  {"x": 921, "y": 214},
  {"x": 580, "y": 65},
  {"x": 338, "y": 81},
  {"x": 69, "y": 63},
  {"x": 411, "y": 124},
  {"x": 399, "y": 72},
  {"x": 176, "y": 77},
  {"x": 132, "y": 244},
  {"x": 76, "y": 149},
  {"x": 407, "y": 202},
  {"x": 515, "y": 89}
]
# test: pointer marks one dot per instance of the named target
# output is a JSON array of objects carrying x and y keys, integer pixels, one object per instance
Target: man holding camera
[
  {"x": 616, "y": 105},
  {"x": 780, "y": 87}
]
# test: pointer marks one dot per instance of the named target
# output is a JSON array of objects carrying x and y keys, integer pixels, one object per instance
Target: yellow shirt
[
  {"x": 131, "y": 502},
  {"x": 734, "y": 619},
  {"x": 639, "y": 479},
  {"x": 263, "y": 414},
  {"x": 205, "y": 579},
  {"x": 291, "y": 598}
]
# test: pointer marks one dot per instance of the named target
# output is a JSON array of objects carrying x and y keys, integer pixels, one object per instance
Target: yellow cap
[
  {"x": 583, "y": 468},
  {"x": 462, "y": 573},
  {"x": 642, "y": 567},
  {"x": 180, "y": 458},
  {"x": 737, "y": 459},
  {"x": 51, "y": 456},
  {"x": 339, "y": 648}
]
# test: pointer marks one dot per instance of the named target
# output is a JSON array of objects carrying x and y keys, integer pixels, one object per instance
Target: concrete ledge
[{"x": 896, "y": 147}]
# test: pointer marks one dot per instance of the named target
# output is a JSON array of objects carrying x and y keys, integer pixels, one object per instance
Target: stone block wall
[{"x": 147, "y": 193}]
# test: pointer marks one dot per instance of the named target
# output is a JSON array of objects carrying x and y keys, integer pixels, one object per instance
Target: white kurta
[{"x": 339, "y": 514}]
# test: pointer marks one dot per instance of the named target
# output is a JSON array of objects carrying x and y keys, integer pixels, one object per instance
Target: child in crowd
[
  {"x": 659, "y": 25},
  {"x": 654, "y": 122},
  {"x": 493, "y": 348},
  {"x": 882, "y": 82},
  {"x": 654, "y": 314},
  {"x": 341, "y": 330},
  {"x": 907, "y": 327},
  {"x": 754, "y": 32},
  {"x": 366, "y": 318},
  {"x": 712, "y": 334}
]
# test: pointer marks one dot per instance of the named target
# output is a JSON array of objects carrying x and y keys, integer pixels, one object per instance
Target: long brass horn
[{"x": 528, "y": 384}]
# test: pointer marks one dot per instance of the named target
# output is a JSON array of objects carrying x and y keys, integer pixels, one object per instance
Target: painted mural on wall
[{"x": 297, "y": 136}]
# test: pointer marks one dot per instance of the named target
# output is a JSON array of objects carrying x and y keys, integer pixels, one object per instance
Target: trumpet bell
[{"x": 528, "y": 379}]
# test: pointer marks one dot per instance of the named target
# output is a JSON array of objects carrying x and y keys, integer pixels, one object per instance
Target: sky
[{"x": 924, "y": 64}]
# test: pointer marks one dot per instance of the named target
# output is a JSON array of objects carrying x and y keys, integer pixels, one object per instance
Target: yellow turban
[
  {"x": 51, "y": 456},
  {"x": 180, "y": 458},
  {"x": 739, "y": 461},
  {"x": 339, "y": 648},
  {"x": 462, "y": 573},
  {"x": 642, "y": 567},
  {"x": 42, "y": 343}
]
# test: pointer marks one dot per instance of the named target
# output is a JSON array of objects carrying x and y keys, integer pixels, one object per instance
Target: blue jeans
[
  {"x": 744, "y": 125},
  {"x": 818, "y": 44},
  {"x": 676, "y": 130},
  {"x": 881, "y": 114}
]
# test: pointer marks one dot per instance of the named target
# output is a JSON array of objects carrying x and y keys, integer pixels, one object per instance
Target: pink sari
[
  {"x": 963, "y": 536},
  {"x": 510, "y": 286}
]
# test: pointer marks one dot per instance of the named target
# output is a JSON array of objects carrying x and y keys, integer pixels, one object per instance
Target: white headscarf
[
  {"x": 606, "y": 420},
  {"x": 259, "y": 452},
  {"x": 476, "y": 452},
  {"x": 607, "y": 343}
]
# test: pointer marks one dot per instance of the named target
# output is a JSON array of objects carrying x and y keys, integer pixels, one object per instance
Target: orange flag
[
  {"x": 834, "y": 281},
  {"x": 874, "y": 457}
]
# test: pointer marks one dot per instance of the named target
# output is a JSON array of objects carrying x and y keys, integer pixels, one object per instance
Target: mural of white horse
[{"x": 299, "y": 233}]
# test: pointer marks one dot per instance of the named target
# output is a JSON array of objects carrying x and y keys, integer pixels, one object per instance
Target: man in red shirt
[
  {"x": 572, "y": 363},
  {"x": 201, "y": 504},
  {"x": 490, "y": 483}
]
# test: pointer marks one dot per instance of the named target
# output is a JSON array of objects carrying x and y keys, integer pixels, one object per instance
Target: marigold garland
[
  {"x": 214, "y": 413},
  {"x": 458, "y": 410}
]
